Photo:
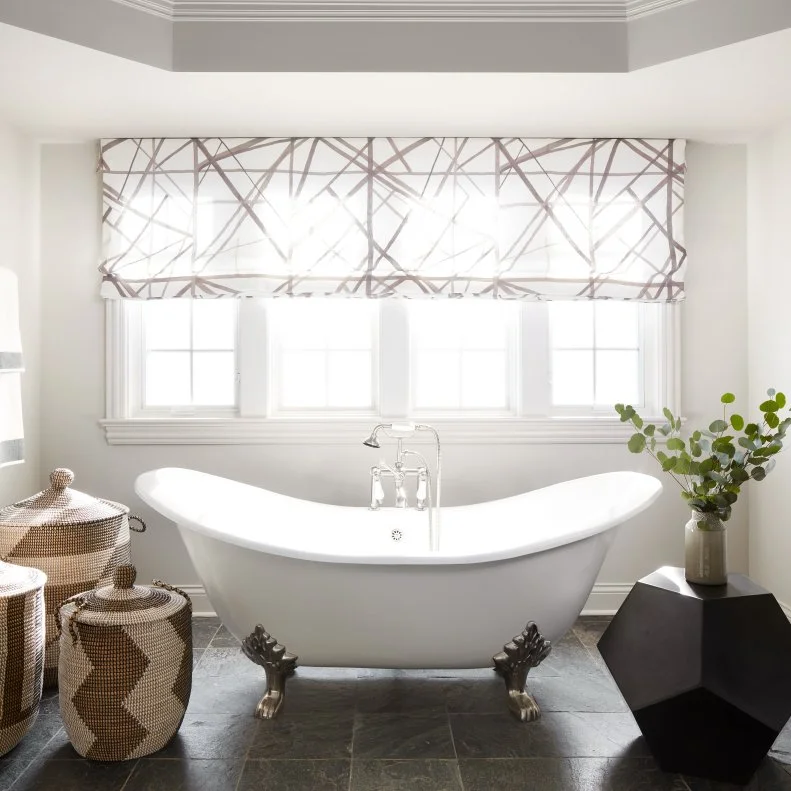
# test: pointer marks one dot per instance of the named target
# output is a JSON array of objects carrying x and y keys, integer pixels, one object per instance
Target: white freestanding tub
[{"x": 333, "y": 586}]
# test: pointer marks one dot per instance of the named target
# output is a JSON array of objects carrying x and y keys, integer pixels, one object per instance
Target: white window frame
[{"x": 533, "y": 420}]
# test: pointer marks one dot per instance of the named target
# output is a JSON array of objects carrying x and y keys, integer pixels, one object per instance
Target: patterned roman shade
[{"x": 509, "y": 218}]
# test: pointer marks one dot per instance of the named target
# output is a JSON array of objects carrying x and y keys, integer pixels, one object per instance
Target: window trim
[{"x": 252, "y": 426}]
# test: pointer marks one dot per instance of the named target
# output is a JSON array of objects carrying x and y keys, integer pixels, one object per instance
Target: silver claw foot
[
  {"x": 513, "y": 663},
  {"x": 260, "y": 647}
]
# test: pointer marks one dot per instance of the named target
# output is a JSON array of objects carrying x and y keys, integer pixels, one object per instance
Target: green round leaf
[
  {"x": 649, "y": 430},
  {"x": 637, "y": 443},
  {"x": 717, "y": 426},
  {"x": 772, "y": 420},
  {"x": 758, "y": 474},
  {"x": 780, "y": 400},
  {"x": 675, "y": 444},
  {"x": 769, "y": 406},
  {"x": 737, "y": 421},
  {"x": 728, "y": 398}
]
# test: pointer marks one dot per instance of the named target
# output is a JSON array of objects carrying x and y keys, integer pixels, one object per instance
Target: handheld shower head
[{"x": 372, "y": 441}]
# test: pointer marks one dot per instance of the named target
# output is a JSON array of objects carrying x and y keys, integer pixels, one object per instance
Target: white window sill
[{"x": 311, "y": 431}]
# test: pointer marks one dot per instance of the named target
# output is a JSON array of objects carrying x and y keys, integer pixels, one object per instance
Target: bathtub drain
[{"x": 395, "y": 535}]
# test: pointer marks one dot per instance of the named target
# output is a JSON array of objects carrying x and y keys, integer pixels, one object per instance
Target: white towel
[{"x": 11, "y": 433}]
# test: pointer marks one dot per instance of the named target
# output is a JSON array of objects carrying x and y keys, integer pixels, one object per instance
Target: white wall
[
  {"x": 769, "y": 224},
  {"x": 73, "y": 386},
  {"x": 19, "y": 177}
]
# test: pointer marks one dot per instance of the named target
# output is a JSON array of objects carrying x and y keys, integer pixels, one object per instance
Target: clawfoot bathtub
[{"x": 350, "y": 587}]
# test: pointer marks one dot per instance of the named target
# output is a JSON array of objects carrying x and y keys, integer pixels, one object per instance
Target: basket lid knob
[
  {"x": 124, "y": 576},
  {"x": 61, "y": 478}
]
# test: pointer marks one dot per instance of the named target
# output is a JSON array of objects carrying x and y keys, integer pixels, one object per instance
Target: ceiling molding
[
  {"x": 638, "y": 8},
  {"x": 383, "y": 10},
  {"x": 160, "y": 8},
  {"x": 402, "y": 10}
]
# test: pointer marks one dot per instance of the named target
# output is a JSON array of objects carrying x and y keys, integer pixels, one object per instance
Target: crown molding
[{"x": 401, "y": 10}]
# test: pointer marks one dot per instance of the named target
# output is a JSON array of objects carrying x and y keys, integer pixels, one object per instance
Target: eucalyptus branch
[{"x": 707, "y": 465}]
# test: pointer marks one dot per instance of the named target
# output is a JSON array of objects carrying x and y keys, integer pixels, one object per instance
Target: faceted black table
[{"x": 706, "y": 671}]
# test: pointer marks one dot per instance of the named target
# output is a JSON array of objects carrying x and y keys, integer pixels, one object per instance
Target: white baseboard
[
  {"x": 605, "y": 599},
  {"x": 201, "y": 606}
]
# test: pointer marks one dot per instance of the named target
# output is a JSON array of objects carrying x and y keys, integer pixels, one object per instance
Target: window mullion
[
  {"x": 394, "y": 359},
  {"x": 535, "y": 369},
  {"x": 252, "y": 358}
]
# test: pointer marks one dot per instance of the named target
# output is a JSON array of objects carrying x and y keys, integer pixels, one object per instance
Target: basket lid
[
  {"x": 16, "y": 580},
  {"x": 60, "y": 505},
  {"x": 124, "y": 603}
]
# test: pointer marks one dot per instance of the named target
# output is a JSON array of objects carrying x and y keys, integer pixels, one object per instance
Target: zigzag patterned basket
[
  {"x": 125, "y": 670},
  {"x": 75, "y": 539},
  {"x": 21, "y": 651}
]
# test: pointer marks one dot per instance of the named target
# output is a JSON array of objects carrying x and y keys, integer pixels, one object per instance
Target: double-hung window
[{"x": 486, "y": 362}]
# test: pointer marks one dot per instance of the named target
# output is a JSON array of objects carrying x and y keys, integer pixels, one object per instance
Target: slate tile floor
[{"x": 374, "y": 730}]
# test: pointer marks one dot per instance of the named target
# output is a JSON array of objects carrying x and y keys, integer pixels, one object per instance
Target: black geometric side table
[{"x": 706, "y": 671}]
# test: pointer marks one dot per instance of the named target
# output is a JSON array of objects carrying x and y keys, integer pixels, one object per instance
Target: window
[
  {"x": 463, "y": 355},
  {"x": 454, "y": 360},
  {"x": 189, "y": 354},
  {"x": 322, "y": 354}
]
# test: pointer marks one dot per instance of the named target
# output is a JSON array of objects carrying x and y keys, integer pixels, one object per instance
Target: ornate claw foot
[
  {"x": 526, "y": 650},
  {"x": 261, "y": 648}
]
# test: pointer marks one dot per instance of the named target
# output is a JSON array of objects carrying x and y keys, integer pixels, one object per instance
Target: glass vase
[{"x": 705, "y": 557}]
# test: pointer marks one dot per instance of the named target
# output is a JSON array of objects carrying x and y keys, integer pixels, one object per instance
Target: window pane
[
  {"x": 322, "y": 323},
  {"x": 572, "y": 378},
  {"x": 617, "y": 325},
  {"x": 461, "y": 353},
  {"x": 484, "y": 383},
  {"x": 167, "y": 323},
  {"x": 437, "y": 380},
  {"x": 214, "y": 379},
  {"x": 303, "y": 379},
  {"x": 167, "y": 379},
  {"x": 617, "y": 378},
  {"x": 571, "y": 325},
  {"x": 349, "y": 379},
  {"x": 214, "y": 323}
]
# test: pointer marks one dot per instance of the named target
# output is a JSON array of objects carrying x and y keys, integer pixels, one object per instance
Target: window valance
[{"x": 509, "y": 218}]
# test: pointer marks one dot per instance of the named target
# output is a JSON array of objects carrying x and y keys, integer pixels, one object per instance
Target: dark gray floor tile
[
  {"x": 221, "y": 698},
  {"x": 389, "y": 775},
  {"x": 212, "y": 738},
  {"x": 590, "y": 630},
  {"x": 781, "y": 749},
  {"x": 308, "y": 694},
  {"x": 555, "y": 735},
  {"x": 402, "y": 736},
  {"x": 172, "y": 775},
  {"x": 639, "y": 773},
  {"x": 74, "y": 776},
  {"x": 597, "y": 693},
  {"x": 546, "y": 774},
  {"x": 295, "y": 776},
  {"x": 227, "y": 662},
  {"x": 401, "y": 692},
  {"x": 304, "y": 736},
  {"x": 483, "y": 695},
  {"x": 224, "y": 639},
  {"x": 569, "y": 656},
  {"x": 10, "y": 771},
  {"x": 771, "y": 776},
  {"x": 59, "y": 748},
  {"x": 197, "y": 653},
  {"x": 203, "y": 630},
  {"x": 37, "y": 738}
]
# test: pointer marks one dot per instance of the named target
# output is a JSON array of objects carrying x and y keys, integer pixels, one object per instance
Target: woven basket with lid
[
  {"x": 125, "y": 667},
  {"x": 21, "y": 650},
  {"x": 75, "y": 539}
]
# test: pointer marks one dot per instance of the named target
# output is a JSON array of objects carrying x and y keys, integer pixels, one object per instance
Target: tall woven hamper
[
  {"x": 125, "y": 667},
  {"x": 75, "y": 539},
  {"x": 21, "y": 650}
]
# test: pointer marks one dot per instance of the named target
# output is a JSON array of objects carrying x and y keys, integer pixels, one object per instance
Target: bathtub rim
[{"x": 423, "y": 559}]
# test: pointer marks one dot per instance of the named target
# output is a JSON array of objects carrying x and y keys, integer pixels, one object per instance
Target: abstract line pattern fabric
[{"x": 505, "y": 218}]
